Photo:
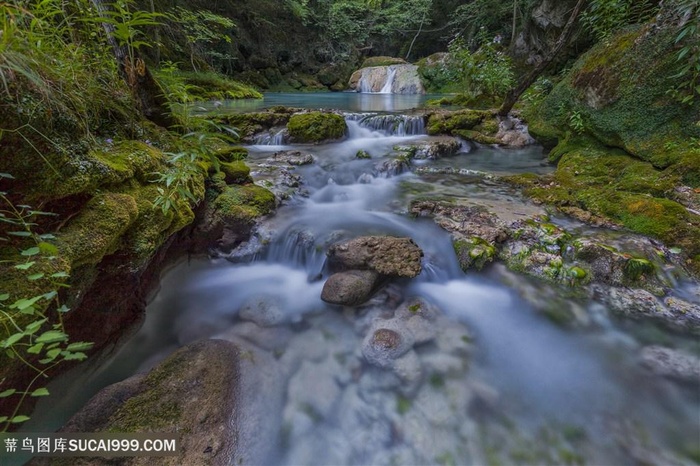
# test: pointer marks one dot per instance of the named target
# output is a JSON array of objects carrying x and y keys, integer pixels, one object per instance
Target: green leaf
[
  {"x": 63, "y": 309},
  {"x": 25, "y": 266},
  {"x": 51, "y": 336},
  {"x": 34, "y": 326},
  {"x": 80, "y": 346},
  {"x": 31, "y": 251},
  {"x": 74, "y": 356},
  {"x": 35, "y": 276},
  {"x": 59, "y": 275},
  {"x": 18, "y": 419},
  {"x": 50, "y": 295},
  {"x": 4, "y": 297},
  {"x": 36, "y": 349},
  {"x": 7, "y": 393},
  {"x": 40, "y": 392},
  {"x": 25, "y": 303},
  {"x": 3, "y": 419},
  {"x": 12, "y": 339},
  {"x": 7, "y": 175},
  {"x": 19, "y": 233}
]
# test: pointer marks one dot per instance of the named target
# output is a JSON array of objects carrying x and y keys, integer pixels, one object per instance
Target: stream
[{"x": 498, "y": 384}]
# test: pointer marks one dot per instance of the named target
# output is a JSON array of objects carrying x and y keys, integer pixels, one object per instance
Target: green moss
[
  {"x": 448, "y": 122},
  {"x": 414, "y": 308},
  {"x": 635, "y": 268},
  {"x": 316, "y": 127},
  {"x": 473, "y": 253},
  {"x": 475, "y": 136},
  {"x": 249, "y": 124},
  {"x": 209, "y": 85},
  {"x": 235, "y": 172},
  {"x": 403, "y": 404},
  {"x": 97, "y": 230},
  {"x": 381, "y": 61},
  {"x": 437, "y": 381},
  {"x": 232, "y": 153},
  {"x": 243, "y": 204},
  {"x": 362, "y": 154}
]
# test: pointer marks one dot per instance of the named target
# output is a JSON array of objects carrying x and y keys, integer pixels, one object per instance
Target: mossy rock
[
  {"x": 382, "y": 61},
  {"x": 249, "y": 124},
  {"x": 619, "y": 90},
  {"x": 232, "y": 153},
  {"x": 243, "y": 204},
  {"x": 97, "y": 230},
  {"x": 362, "y": 154},
  {"x": 476, "y": 136},
  {"x": 612, "y": 184},
  {"x": 236, "y": 172},
  {"x": 448, "y": 122},
  {"x": 314, "y": 127},
  {"x": 473, "y": 253}
]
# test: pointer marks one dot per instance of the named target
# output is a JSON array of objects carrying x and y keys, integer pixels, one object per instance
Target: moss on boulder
[
  {"x": 236, "y": 172},
  {"x": 382, "y": 61},
  {"x": 313, "y": 127},
  {"x": 446, "y": 122}
]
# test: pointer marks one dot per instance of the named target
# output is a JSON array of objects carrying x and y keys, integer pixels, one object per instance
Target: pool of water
[{"x": 346, "y": 101}]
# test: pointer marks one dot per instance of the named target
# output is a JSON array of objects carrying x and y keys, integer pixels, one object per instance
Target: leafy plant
[
  {"x": 35, "y": 334},
  {"x": 576, "y": 122},
  {"x": 204, "y": 30},
  {"x": 688, "y": 57}
]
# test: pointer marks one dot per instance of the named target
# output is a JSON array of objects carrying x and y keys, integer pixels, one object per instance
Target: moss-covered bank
[{"x": 623, "y": 144}]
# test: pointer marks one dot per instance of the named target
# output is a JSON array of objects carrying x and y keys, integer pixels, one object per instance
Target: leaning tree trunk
[
  {"x": 148, "y": 93},
  {"x": 515, "y": 93}
]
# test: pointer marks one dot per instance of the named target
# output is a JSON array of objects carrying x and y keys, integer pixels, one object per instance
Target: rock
[
  {"x": 236, "y": 172},
  {"x": 468, "y": 221},
  {"x": 315, "y": 127},
  {"x": 263, "y": 310},
  {"x": 292, "y": 157},
  {"x": 513, "y": 132},
  {"x": 671, "y": 363},
  {"x": 384, "y": 344},
  {"x": 405, "y": 79},
  {"x": 443, "y": 146},
  {"x": 194, "y": 391},
  {"x": 685, "y": 313},
  {"x": 386, "y": 255},
  {"x": 350, "y": 288},
  {"x": 393, "y": 167},
  {"x": 362, "y": 154}
]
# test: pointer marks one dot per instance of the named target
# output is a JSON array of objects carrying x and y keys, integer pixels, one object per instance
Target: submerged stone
[{"x": 350, "y": 288}]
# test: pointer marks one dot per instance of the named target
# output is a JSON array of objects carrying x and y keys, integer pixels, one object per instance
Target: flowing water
[{"x": 500, "y": 384}]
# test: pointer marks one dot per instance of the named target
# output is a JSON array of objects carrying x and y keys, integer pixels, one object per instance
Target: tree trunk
[
  {"x": 146, "y": 90},
  {"x": 515, "y": 22},
  {"x": 515, "y": 93}
]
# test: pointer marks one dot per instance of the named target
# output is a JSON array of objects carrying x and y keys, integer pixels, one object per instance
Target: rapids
[{"x": 501, "y": 384}]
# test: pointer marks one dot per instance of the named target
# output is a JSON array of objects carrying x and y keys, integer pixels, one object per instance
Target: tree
[{"x": 515, "y": 93}]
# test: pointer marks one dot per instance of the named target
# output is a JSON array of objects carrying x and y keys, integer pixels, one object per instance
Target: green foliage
[
  {"x": 204, "y": 30},
  {"x": 688, "y": 56},
  {"x": 486, "y": 73},
  {"x": 31, "y": 324},
  {"x": 606, "y": 17}
]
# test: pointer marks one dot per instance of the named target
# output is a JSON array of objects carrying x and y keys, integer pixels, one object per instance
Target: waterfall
[
  {"x": 391, "y": 73},
  {"x": 271, "y": 138},
  {"x": 388, "y": 124}
]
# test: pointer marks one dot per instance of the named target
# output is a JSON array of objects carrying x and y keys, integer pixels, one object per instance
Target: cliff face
[{"x": 626, "y": 148}]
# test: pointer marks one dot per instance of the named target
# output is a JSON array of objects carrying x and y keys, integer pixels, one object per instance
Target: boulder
[
  {"x": 314, "y": 127},
  {"x": 671, "y": 363},
  {"x": 394, "y": 79},
  {"x": 193, "y": 391},
  {"x": 386, "y": 255},
  {"x": 292, "y": 157},
  {"x": 350, "y": 288}
]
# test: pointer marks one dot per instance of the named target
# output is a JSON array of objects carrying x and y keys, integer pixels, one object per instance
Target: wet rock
[
  {"x": 277, "y": 177},
  {"x": 386, "y": 255},
  {"x": 608, "y": 266},
  {"x": 513, "y": 132},
  {"x": 393, "y": 167},
  {"x": 686, "y": 314},
  {"x": 374, "y": 79},
  {"x": 362, "y": 154},
  {"x": 292, "y": 157},
  {"x": 365, "y": 178},
  {"x": 350, "y": 288},
  {"x": 433, "y": 149},
  {"x": 671, "y": 363},
  {"x": 194, "y": 391},
  {"x": 316, "y": 127},
  {"x": 468, "y": 221},
  {"x": 263, "y": 310}
]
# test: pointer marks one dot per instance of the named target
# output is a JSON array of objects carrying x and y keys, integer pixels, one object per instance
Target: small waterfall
[
  {"x": 391, "y": 74},
  {"x": 388, "y": 124},
  {"x": 271, "y": 138},
  {"x": 365, "y": 83},
  {"x": 297, "y": 248}
]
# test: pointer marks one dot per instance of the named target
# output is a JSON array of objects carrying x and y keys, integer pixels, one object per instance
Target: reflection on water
[{"x": 347, "y": 101}]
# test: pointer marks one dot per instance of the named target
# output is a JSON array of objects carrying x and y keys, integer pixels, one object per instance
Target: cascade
[
  {"x": 388, "y": 85},
  {"x": 389, "y": 124}
]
